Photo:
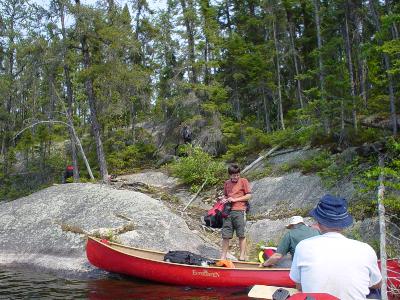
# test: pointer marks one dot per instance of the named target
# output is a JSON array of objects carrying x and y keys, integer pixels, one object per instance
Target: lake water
[{"x": 27, "y": 284}]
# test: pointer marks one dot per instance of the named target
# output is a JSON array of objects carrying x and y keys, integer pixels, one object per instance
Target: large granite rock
[
  {"x": 46, "y": 229},
  {"x": 161, "y": 181},
  {"x": 284, "y": 157},
  {"x": 287, "y": 192},
  {"x": 152, "y": 178},
  {"x": 268, "y": 231}
]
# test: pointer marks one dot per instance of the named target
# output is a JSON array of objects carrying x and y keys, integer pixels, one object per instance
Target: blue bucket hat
[{"x": 332, "y": 212}]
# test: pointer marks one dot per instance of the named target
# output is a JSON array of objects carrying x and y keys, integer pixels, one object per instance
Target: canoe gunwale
[{"x": 116, "y": 245}]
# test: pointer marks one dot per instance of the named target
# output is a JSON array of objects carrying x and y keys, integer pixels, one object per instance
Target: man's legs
[
  {"x": 242, "y": 246},
  {"x": 239, "y": 225},
  {"x": 227, "y": 234},
  {"x": 225, "y": 247}
]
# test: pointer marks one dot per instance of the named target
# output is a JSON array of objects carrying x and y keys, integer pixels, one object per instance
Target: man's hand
[
  {"x": 226, "y": 200},
  {"x": 263, "y": 265}
]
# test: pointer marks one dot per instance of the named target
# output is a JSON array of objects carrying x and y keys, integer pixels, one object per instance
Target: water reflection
[
  {"x": 127, "y": 288},
  {"x": 27, "y": 284}
]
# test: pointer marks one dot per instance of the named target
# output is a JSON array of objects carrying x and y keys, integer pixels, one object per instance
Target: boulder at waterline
[{"x": 47, "y": 229}]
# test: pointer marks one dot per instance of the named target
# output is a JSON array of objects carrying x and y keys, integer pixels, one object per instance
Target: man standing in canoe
[
  {"x": 298, "y": 231},
  {"x": 236, "y": 192},
  {"x": 331, "y": 263}
]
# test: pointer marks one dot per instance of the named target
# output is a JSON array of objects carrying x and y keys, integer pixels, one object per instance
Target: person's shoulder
[
  {"x": 244, "y": 180},
  {"x": 310, "y": 240},
  {"x": 312, "y": 230},
  {"x": 361, "y": 245}
]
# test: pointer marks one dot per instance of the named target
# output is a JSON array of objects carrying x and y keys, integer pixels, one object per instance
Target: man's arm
[
  {"x": 283, "y": 249},
  {"x": 375, "y": 276},
  {"x": 295, "y": 273},
  {"x": 298, "y": 286},
  {"x": 376, "y": 286},
  {"x": 272, "y": 260},
  {"x": 246, "y": 197}
]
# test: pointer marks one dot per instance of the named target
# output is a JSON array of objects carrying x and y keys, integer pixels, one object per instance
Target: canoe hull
[{"x": 105, "y": 257}]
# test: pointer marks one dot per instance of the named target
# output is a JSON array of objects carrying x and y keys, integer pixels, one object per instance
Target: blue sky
[{"x": 154, "y": 4}]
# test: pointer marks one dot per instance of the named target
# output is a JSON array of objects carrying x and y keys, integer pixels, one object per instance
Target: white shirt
[{"x": 331, "y": 263}]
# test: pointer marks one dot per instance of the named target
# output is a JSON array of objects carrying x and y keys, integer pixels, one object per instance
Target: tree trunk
[
  {"x": 363, "y": 82},
  {"x": 70, "y": 98},
  {"x": 351, "y": 73},
  {"x": 387, "y": 69},
  {"x": 206, "y": 71},
  {"x": 9, "y": 98},
  {"x": 382, "y": 229},
  {"x": 93, "y": 115},
  {"x": 321, "y": 65},
  {"x": 290, "y": 25},
  {"x": 92, "y": 105},
  {"x": 75, "y": 137},
  {"x": 361, "y": 62},
  {"x": 228, "y": 17},
  {"x": 278, "y": 70},
  {"x": 236, "y": 103},
  {"x": 393, "y": 28},
  {"x": 266, "y": 111},
  {"x": 188, "y": 13}
]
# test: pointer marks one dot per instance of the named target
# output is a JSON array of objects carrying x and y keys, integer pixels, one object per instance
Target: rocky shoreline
[{"x": 48, "y": 229}]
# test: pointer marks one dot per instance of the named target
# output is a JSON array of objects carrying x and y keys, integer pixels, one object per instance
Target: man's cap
[
  {"x": 332, "y": 212},
  {"x": 295, "y": 220}
]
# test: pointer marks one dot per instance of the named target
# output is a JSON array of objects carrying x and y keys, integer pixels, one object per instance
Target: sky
[{"x": 154, "y": 4}]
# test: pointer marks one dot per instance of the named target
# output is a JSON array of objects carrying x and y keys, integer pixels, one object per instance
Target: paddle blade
[{"x": 266, "y": 291}]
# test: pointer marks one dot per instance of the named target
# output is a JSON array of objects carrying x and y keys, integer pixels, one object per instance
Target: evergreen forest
[{"x": 108, "y": 87}]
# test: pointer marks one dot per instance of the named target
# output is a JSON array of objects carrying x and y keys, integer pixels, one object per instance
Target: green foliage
[
  {"x": 369, "y": 182},
  {"x": 146, "y": 74},
  {"x": 317, "y": 163},
  {"x": 392, "y": 203},
  {"x": 254, "y": 140},
  {"x": 236, "y": 153},
  {"x": 130, "y": 157},
  {"x": 197, "y": 167},
  {"x": 363, "y": 208},
  {"x": 38, "y": 175},
  {"x": 250, "y": 140},
  {"x": 265, "y": 172}
]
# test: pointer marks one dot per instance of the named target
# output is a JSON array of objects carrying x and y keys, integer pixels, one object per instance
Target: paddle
[{"x": 266, "y": 291}]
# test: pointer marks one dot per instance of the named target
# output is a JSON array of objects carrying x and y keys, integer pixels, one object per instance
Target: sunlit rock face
[{"x": 48, "y": 229}]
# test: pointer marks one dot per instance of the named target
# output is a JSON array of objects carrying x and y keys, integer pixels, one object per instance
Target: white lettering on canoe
[{"x": 205, "y": 273}]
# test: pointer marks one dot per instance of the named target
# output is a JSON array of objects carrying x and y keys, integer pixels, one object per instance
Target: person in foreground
[
  {"x": 331, "y": 263},
  {"x": 237, "y": 192},
  {"x": 298, "y": 231}
]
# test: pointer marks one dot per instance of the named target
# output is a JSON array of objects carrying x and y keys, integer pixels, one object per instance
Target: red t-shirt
[{"x": 235, "y": 190}]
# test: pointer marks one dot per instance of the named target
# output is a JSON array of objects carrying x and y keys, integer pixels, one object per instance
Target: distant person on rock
[
  {"x": 186, "y": 134},
  {"x": 330, "y": 262},
  {"x": 298, "y": 231},
  {"x": 68, "y": 173},
  {"x": 237, "y": 192}
]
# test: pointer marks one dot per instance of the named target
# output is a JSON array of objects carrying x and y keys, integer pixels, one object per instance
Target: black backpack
[{"x": 187, "y": 258}]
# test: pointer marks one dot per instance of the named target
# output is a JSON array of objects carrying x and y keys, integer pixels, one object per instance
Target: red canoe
[{"x": 149, "y": 265}]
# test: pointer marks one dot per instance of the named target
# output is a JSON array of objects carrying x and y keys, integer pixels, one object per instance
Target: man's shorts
[{"x": 234, "y": 222}]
